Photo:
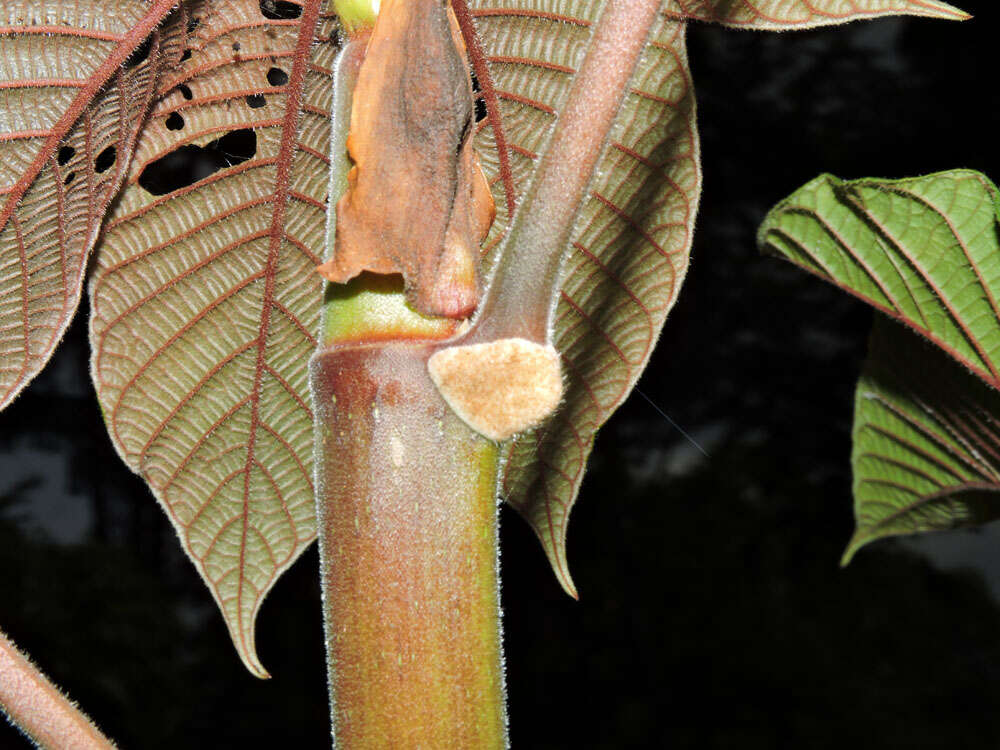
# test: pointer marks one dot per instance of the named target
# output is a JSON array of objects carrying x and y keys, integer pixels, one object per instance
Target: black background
[{"x": 713, "y": 613}]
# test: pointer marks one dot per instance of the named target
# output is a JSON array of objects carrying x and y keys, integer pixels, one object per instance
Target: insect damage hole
[
  {"x": 256, "y": 101},
  {"x": 175, "y": 121},
  {"x": 189, "y": 164},
  {"x": 477, "y": 95},
  {"x": 277, "y": 77},
  {"x": 65, "y": 154},
  {"x": 140, "y": 53},
  {"x": 185, "y": 91},
  {"x": 105, "y": 159},
  {"x": 279, "y": 9}
]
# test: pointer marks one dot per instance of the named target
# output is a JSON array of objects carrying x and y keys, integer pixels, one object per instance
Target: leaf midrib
[{"x": 282, "y": 194}]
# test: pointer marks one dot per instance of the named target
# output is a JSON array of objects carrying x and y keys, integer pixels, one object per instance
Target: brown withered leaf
[{"x": 412, "y": 205}]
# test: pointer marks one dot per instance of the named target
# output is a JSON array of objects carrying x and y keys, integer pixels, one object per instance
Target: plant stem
[
  {"x": 407, "y": 514},
  {"x": 36, "y": 706},
  {"x": 407, "y": 517},
  {"x": 525, "y": 285}
]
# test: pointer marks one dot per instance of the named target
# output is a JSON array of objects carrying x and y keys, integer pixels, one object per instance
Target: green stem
[
  {"x": 407, "y": 513},
  {"x": 407, "y": 517},
  {"x": 357, "y": 16}
]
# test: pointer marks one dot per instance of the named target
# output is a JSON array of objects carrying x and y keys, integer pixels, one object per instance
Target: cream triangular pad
[{"x": 499, "y": 388}]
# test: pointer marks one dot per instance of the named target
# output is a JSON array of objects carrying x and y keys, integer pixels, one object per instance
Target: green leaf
[
  {"x": 777, "y": 15},
  {"x": 206, "y": 301},
  {"x": 926, "y": 452},
  {"x": 924, "y": 251}
]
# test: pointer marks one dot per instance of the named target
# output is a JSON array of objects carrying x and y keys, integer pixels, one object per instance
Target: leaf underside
[
  {"x": 784, "y": 14},
  {"x": 926, "y": 452},
  {"x": 925, "y": 252},
  {"x": 205, "y": 303},
  {"x": 630, "y": 247},
  {"x": 632, "y": 239},
  {"x": 206, "y": 300},
  {"x": 73, "y": 92}
]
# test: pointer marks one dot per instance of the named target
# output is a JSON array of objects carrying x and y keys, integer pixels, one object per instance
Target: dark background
[{"x": 713, "y": 613}]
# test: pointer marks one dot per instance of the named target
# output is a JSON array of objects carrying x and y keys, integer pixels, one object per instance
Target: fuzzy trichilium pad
[{"x": 499, "y": 388}]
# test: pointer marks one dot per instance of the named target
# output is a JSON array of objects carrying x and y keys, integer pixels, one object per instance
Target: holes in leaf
[
  {"x": 236, "y": 47},
  {"x": 65, "y": 154},
  {"x": 69, "y": 178},
  {"x": 186, "y": 55},
  {"x": 277, "y": 77},
  {"x": 140, "y": 53},
  {"x": 174, "y": 121},
  {"x": 192, "y": 24},
  {"x": 105, "y": 159},
  {"x": 185, "y": 91},
  {"x": 256, "y": 101},
  {"x": 279, "y": 9},
  {"x": 477, "y": 92},
  {"x": 188, "y": 164}
]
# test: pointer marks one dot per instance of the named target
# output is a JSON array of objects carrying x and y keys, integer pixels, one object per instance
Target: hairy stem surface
[
  {"x": 407, "y": 529},
  {"x": 36, "y": 706},
  {"x": 522, "y": 294}
]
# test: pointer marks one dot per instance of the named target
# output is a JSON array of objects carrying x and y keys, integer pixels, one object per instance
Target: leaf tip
[
  {"x": 955, "y": 14},
  {"x": 242, "y": 629},
  {"x": 555, "y": 550},
  {"x": 858, "y": 540},
  {"x": 946, "y": 12},
  {"x": 252, "y": 663},
  {"x": 566, "y": 581}
]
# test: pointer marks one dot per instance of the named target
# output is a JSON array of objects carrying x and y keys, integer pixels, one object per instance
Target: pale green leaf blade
[
  {"x": 74, "y": 88},
  {"x": 926, "y": 452},
  {"x": 777, "y": 15},
  {"x": 206, "y": 300},
  {"x": 923, "y": 250},
  {"x": 926, "y": 252},
  {"x": 629, "y": 251}
]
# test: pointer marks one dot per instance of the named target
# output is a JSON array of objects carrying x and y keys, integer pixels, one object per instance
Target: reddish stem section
[
  {"x": 36, "y": 706},
  {"x": 407, "y": 529},
  {"x": 525, "y": 284}
]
